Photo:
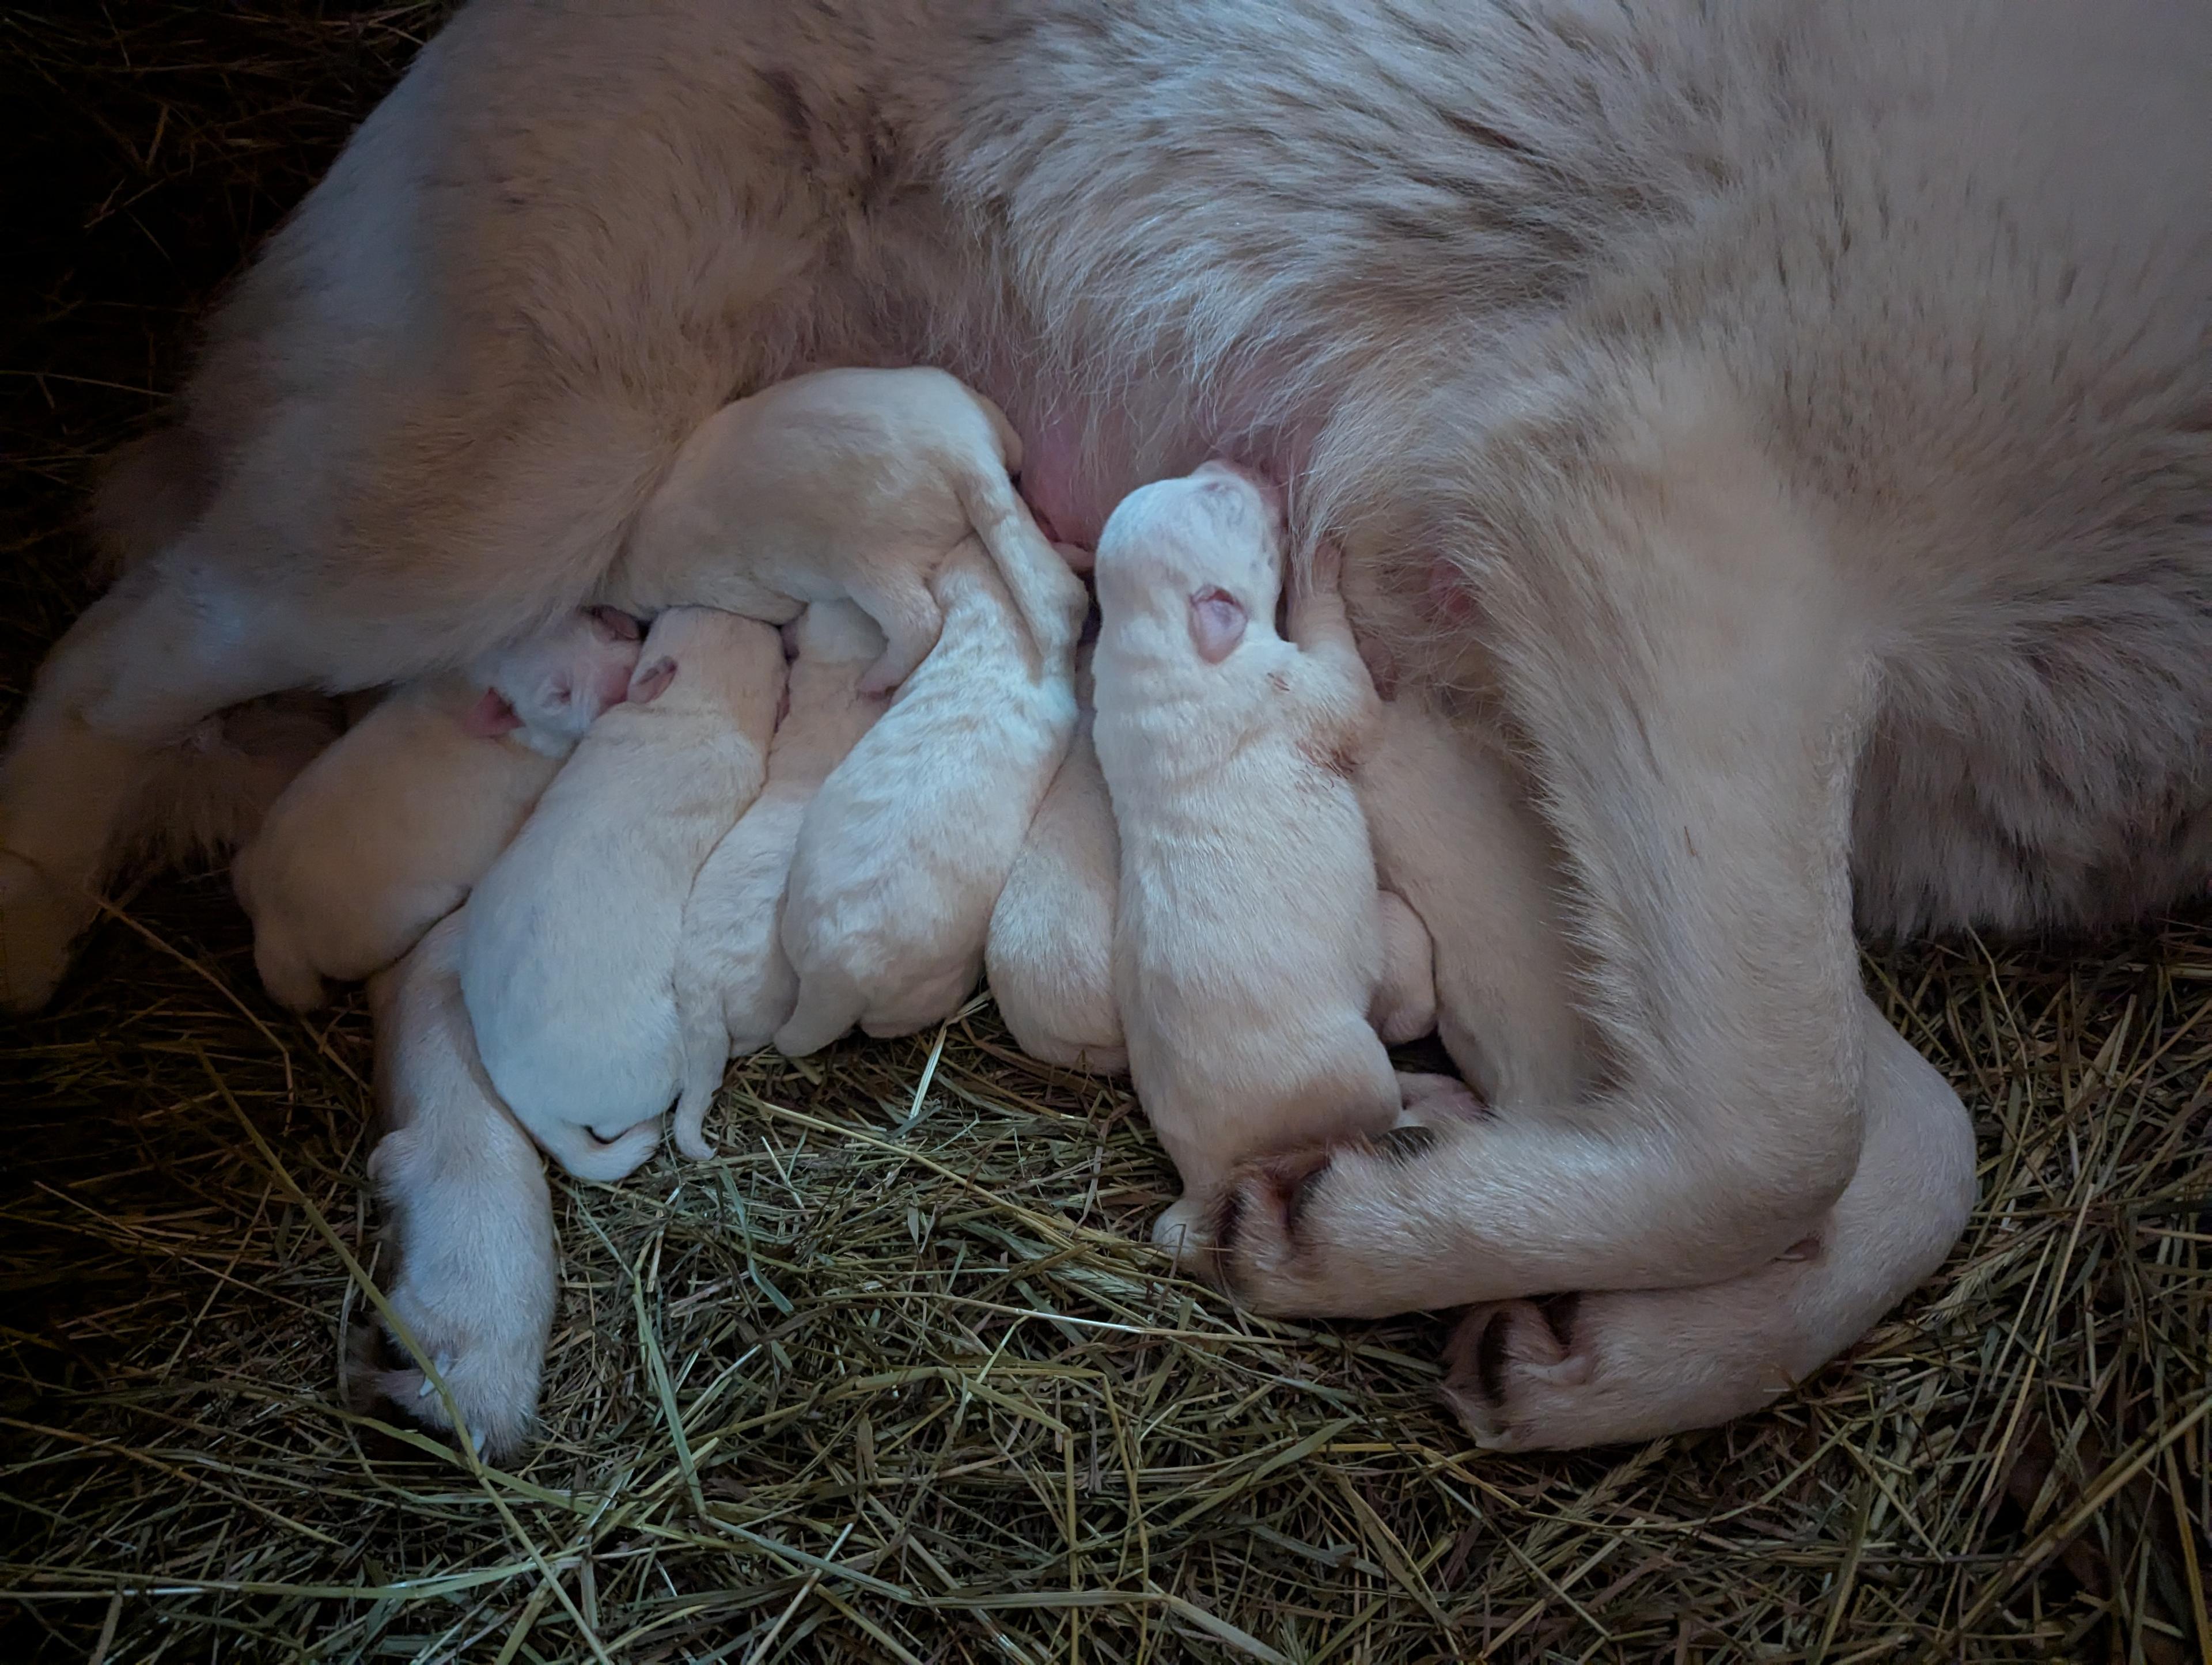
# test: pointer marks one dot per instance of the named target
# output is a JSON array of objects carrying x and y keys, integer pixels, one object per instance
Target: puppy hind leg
[
  {"x": 706, "y": 1055},
  {"x": 1599, "y": 1368},
  {"x": 900, "y": 603},
  {"x": 1405, "y": 999},
  {"x": 830, "y": 1004}
]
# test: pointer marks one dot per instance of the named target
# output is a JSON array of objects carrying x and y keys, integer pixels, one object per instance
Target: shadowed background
[{"x": 893, "y": 1379}]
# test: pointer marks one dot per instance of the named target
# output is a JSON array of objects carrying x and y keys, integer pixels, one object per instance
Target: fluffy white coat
[
  {"x": 904, "y": 850},
  {"x": 384, "y": 834},
  {"x": 734, "y": 984},
  {"x": 569, "y": 964}
]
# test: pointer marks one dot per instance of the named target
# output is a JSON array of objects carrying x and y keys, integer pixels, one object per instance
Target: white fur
[
  {"x": 569, "y": 963},
  {"x": 1248, "y": 951},
  {"x": 1050, "y": 955},
  {"x": 906, "y": 848},
  {"x": 1455, "y": 837},
  {"x": 734, "y": 984},
  {"x": 384, "y": 834},
  {"x": 1791, "y": 417},
  {"x": 842, "y": 484},
  {"x": 465, "y": 1206}
]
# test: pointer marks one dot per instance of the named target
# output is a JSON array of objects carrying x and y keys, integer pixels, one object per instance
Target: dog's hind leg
[
  {"x": 1590, "y": 1370},
  {"x": 1674, "y": 643}
]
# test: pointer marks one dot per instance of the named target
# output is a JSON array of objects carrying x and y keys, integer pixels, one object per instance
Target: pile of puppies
[{"x": 584, "y": 874}]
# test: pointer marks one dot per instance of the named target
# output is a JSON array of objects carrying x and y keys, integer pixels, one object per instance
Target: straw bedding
[{"x": 893, "y": 1379}]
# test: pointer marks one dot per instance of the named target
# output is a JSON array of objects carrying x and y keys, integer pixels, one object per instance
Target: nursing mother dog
[{"x": 1790, "y": 423}]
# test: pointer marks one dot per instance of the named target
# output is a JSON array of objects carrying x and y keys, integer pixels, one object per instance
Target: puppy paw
[
  {"x": 1266, "y": 1250},
  {"x": 492, "y": 1370},
  {"x": 1576, "y": 1370}
]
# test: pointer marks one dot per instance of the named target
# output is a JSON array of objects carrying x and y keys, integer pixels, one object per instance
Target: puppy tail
[
  {"x": 1047, "y": 593},
  {"x": 830, "y": 1003},
  {"x": 575, "y": 1148}
]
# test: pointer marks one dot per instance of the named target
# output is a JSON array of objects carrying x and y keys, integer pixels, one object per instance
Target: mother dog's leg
[
  {"x": 1592, "y": 1369},
  {"x": 429, "y": 409},
  {"x": 1684, "y": 663}
]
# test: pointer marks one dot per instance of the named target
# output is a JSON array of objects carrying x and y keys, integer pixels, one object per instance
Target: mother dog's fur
[{"x": 1793, "y": 421}]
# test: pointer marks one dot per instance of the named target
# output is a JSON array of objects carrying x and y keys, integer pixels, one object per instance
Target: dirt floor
[{"x": 893, "y": 1379}]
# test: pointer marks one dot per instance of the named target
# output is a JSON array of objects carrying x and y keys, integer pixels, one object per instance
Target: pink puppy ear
[
  {"x": 490, "y": 717},
  {"x": 1217, "y": 624},
  {"x": 614, "y": 624},
  {"x": 652, "y": 681}
]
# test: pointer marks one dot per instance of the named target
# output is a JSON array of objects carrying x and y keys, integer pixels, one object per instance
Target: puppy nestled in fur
[
  {"x": 1250, "y": 947},
  {"x": 1049, "y": 958},
  {"x": 465, "y": 1205},
  {"x": 842, "y": 484},
  {"x": 569, "y": 963},
  {"x": 734, "y": 984},
  {"x": 384, "y": 834},
  {"x": 906, "y": 848}
]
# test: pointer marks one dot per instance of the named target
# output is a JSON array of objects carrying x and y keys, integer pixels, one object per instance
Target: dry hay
[{"x": 893, "y": 1379}]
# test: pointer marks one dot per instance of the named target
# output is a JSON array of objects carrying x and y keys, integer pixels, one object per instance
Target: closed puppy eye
[{"x": 1217, "y": 624}]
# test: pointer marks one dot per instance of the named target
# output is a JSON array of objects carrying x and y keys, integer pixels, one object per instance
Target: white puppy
[
  {"x": 1455, "y": 835},
  {"x": 466, "y": 1203},
  {"x": 1050, "y": 955},
  {"x": 384, "y": 833},
  {"x": 905, "y": 849},
  {"x": 734, "y": 985},
  {"x": 1250, "y": 947},
  {"x": 844, "y": 483},
  {"x": 569, "y": 964}
]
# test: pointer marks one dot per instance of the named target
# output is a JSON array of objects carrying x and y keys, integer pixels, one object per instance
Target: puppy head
[
  {"x": 1208, "y": 547},
  {"x": 555, "y": 684}
]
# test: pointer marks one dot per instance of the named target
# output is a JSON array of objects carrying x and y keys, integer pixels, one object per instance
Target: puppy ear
[
  {"x": 1217, "y": 624},
  {"x": 614, "y": 624},
  {"x": 652, "y": 681},
  {"x": 490, "y": 717}
]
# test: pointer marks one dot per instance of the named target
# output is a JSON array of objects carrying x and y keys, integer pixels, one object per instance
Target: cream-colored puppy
[
  {"x": 1455, "y": 835},
  {"x": 384, "y": 833},
  {"x": 842, "y": 484},
  {"x": 1249, "y": 944},
  {"x": 734, "y": 984},
  {"x": 569, "y": 965},
  {"x": 1050, "y": 955},
  {"x": 904, "y": 850},
  {"x": 465, "y": 1205}
]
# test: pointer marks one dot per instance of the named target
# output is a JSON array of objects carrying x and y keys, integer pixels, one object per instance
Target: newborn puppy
[
  {"x": 465, "y": 1205},
  {"x": 384, "y": 832},
  {"x": 1455, "y": 835},
  {"x": 569, "y": 963},
  {"x": 734, "y": 986},
  {"x": 844, "y": 483},
  {"x": 1248, "y": 947},
  {"x": 1050, "y": 955},
  {"x": 904, "y": 851}
]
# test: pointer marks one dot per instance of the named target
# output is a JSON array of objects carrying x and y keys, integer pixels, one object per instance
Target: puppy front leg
[
  {"x": 1692, "y": 691},
  {"x": 1591, "y": 1369},
  {"x": 1329, "y": 676}
]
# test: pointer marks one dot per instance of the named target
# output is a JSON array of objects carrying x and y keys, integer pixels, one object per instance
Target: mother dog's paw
[
  {"x": 1514, "y": 1373},
  {"x": 1282, "y": 1227}
]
